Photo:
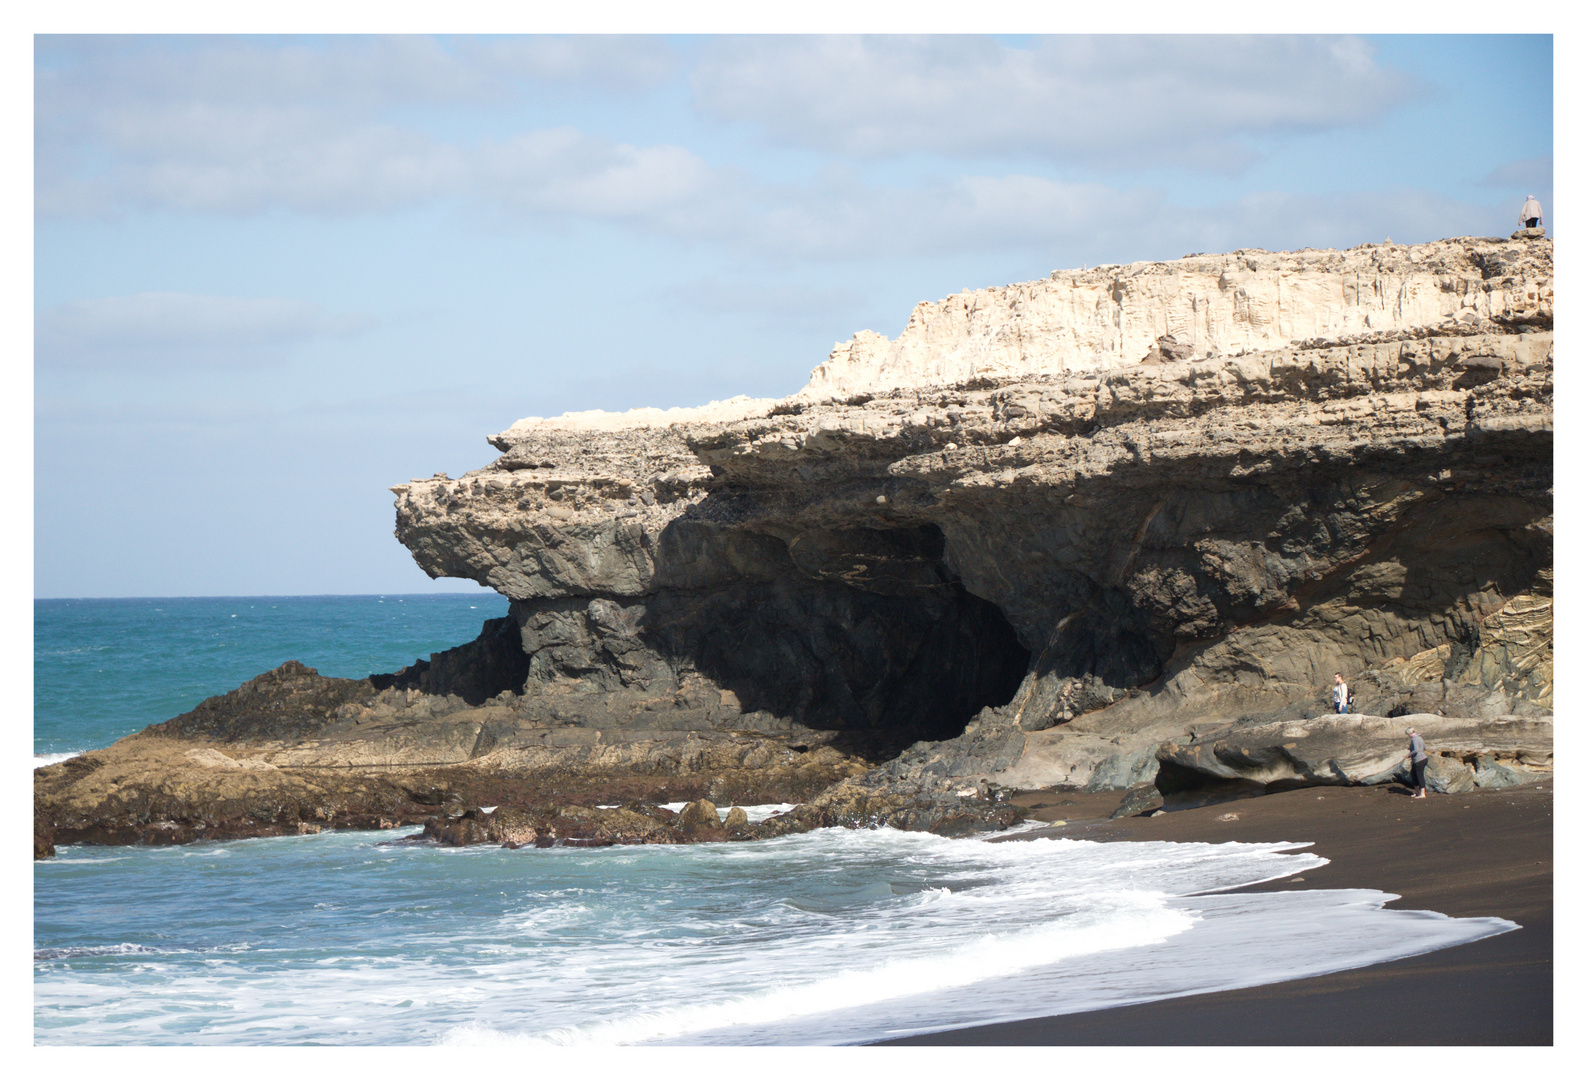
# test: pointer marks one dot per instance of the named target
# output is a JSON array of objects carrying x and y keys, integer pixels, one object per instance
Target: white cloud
[
  {"x": 75, "y": 75},
  {"x": 254, "y": 159},
  {"x": 601, "y": 61},
  {"x": 244, "y": 125},
  {"x": 250, "y": 125},
  {"x": 564, "y": 171},
  {"x": 155, "y": 331},
  {"x": 241, "y": 161},
  {"x": 1117, "y": 101},
  {"x": 315, "y": 128}
]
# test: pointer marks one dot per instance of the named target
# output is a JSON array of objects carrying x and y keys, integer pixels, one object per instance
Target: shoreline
[
  {"x": 1487, "y": 852},
  {"x": 1484, "y": 852}
]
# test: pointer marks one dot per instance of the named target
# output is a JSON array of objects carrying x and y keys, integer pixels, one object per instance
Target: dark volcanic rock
[
  {"x": 996, "y": 553},
  {"x": 492, "y": 664},
  {"x": 290, "y": 702},
  {"x": 1138, "y": 800},
  {"x": 699, "y": 818},
  {"x": 1158, "y": 547}
]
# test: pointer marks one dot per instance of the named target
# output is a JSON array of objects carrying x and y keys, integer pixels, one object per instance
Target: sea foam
[
  {"x": 41, "y": 760},
  {"x": 835, "y": 936}
]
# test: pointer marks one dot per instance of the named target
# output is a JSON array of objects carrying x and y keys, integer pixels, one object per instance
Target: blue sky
[{"x": 274, "y": 276}]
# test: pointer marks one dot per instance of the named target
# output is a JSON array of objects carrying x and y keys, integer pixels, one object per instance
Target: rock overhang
[
  {"x": 1187, "y": 505},
  {"x": 1054, "y": 533}
]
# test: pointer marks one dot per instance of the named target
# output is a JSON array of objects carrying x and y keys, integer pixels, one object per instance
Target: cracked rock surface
[{"x": 1050, "y": 532}]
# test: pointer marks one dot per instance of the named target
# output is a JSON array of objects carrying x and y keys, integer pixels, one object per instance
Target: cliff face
[
  {"x": 1212, "y": 305},
  {"x": 1115, "y": 527},
  {"x": 1036, "y": 509}
]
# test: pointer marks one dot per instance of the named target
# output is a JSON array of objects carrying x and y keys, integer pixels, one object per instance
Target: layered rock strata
[
  {"x": 1254, "y": 757},
  {"x": 1052, "y": 535},
  {"x": 1210, "y": 305},
  {"x": 1168, "y": 541}
]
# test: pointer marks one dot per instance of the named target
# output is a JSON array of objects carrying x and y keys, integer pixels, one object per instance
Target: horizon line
[{"x": 275, "y": 596}]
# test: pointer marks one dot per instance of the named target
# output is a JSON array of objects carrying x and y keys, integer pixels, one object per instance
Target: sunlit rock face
[
  {"x": 1212, "y": 305},
  {"x": 1114, "y": 529},
  {"x": 1092, "y": 513}
]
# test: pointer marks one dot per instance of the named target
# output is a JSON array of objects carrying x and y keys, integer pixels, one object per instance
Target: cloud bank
[
  {"x": 1107, "y": 102},
  {"x": 339, "y": 127}
]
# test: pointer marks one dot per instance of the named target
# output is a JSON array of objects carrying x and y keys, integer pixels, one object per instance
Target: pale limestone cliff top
[
  {"x": 1213, "y": 305},
  {"x": 1111, "y": 316},
  {"x": 721, "y": 412}
]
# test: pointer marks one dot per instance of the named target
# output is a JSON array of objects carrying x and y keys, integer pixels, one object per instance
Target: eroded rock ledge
[{"x": 1053, "y": 535}]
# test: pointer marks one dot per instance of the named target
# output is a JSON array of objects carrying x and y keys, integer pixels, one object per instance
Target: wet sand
[{"x": 1488, "y": 852}]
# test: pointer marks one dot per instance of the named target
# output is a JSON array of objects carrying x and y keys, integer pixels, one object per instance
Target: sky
[{"x": 273, "y": 276}]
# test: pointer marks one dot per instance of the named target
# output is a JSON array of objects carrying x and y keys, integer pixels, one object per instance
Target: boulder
[
  {"x": 1138, "y": 800},
  {"x": 1489, "y": 772},
  {"x": 699, "y": 818},
  {"x": 1449, "y": 775},
  {"x": 1126, "y": 770},
  {"x": 459, "y": 832},
  {"x": 1349, "y": 749},
  {"x": 1168, "y": 350}
]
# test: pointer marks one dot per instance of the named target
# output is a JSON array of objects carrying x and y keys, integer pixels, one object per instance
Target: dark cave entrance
[
  {"x": 860, "y": 632},
  {"x": 872, "y": 637}
]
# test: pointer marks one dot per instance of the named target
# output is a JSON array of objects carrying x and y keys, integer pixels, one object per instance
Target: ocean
[
  {"x": 832, "y": 937},
  {"x": 103, "y": 669}
]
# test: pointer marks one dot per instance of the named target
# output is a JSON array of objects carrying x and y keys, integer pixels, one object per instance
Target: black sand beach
[{"x": 1487, "y": 852}]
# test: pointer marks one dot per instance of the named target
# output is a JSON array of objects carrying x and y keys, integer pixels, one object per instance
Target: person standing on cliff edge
[
  {"x": 1341, "y": 694},
  {"x": 1417, "y": 755},
  {"x": 1531, "y": 213}
]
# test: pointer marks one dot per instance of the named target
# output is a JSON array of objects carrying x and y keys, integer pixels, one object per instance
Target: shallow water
[{"x": 832, "y": 937}]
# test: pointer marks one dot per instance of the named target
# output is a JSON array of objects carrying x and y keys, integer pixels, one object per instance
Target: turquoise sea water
[
  {"x": 836, "y": 936},
  {"x": 103, "y": 669}
]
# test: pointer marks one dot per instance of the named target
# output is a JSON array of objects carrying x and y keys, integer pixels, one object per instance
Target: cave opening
[
  {"x": 873, "y": 638},
  {"x": 864, "y": 634}
]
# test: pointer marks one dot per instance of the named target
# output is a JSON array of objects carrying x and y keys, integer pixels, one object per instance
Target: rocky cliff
[
  {"x": 1211, "y": 305},
  {"x": 1069, "y": 532}
]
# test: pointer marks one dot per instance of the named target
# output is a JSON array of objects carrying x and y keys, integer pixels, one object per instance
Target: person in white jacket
[
  {"x": 1341, "y": 693},
  {"x": 1531, "y": 213}
]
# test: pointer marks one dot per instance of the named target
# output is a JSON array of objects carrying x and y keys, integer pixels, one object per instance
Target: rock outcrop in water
[{"x": 1054, "y": 534}]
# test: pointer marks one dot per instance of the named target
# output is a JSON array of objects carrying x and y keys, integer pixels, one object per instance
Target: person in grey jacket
[
  {"x": 1417, "y": 755},
  {"x": 1531, "y": 213}
]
